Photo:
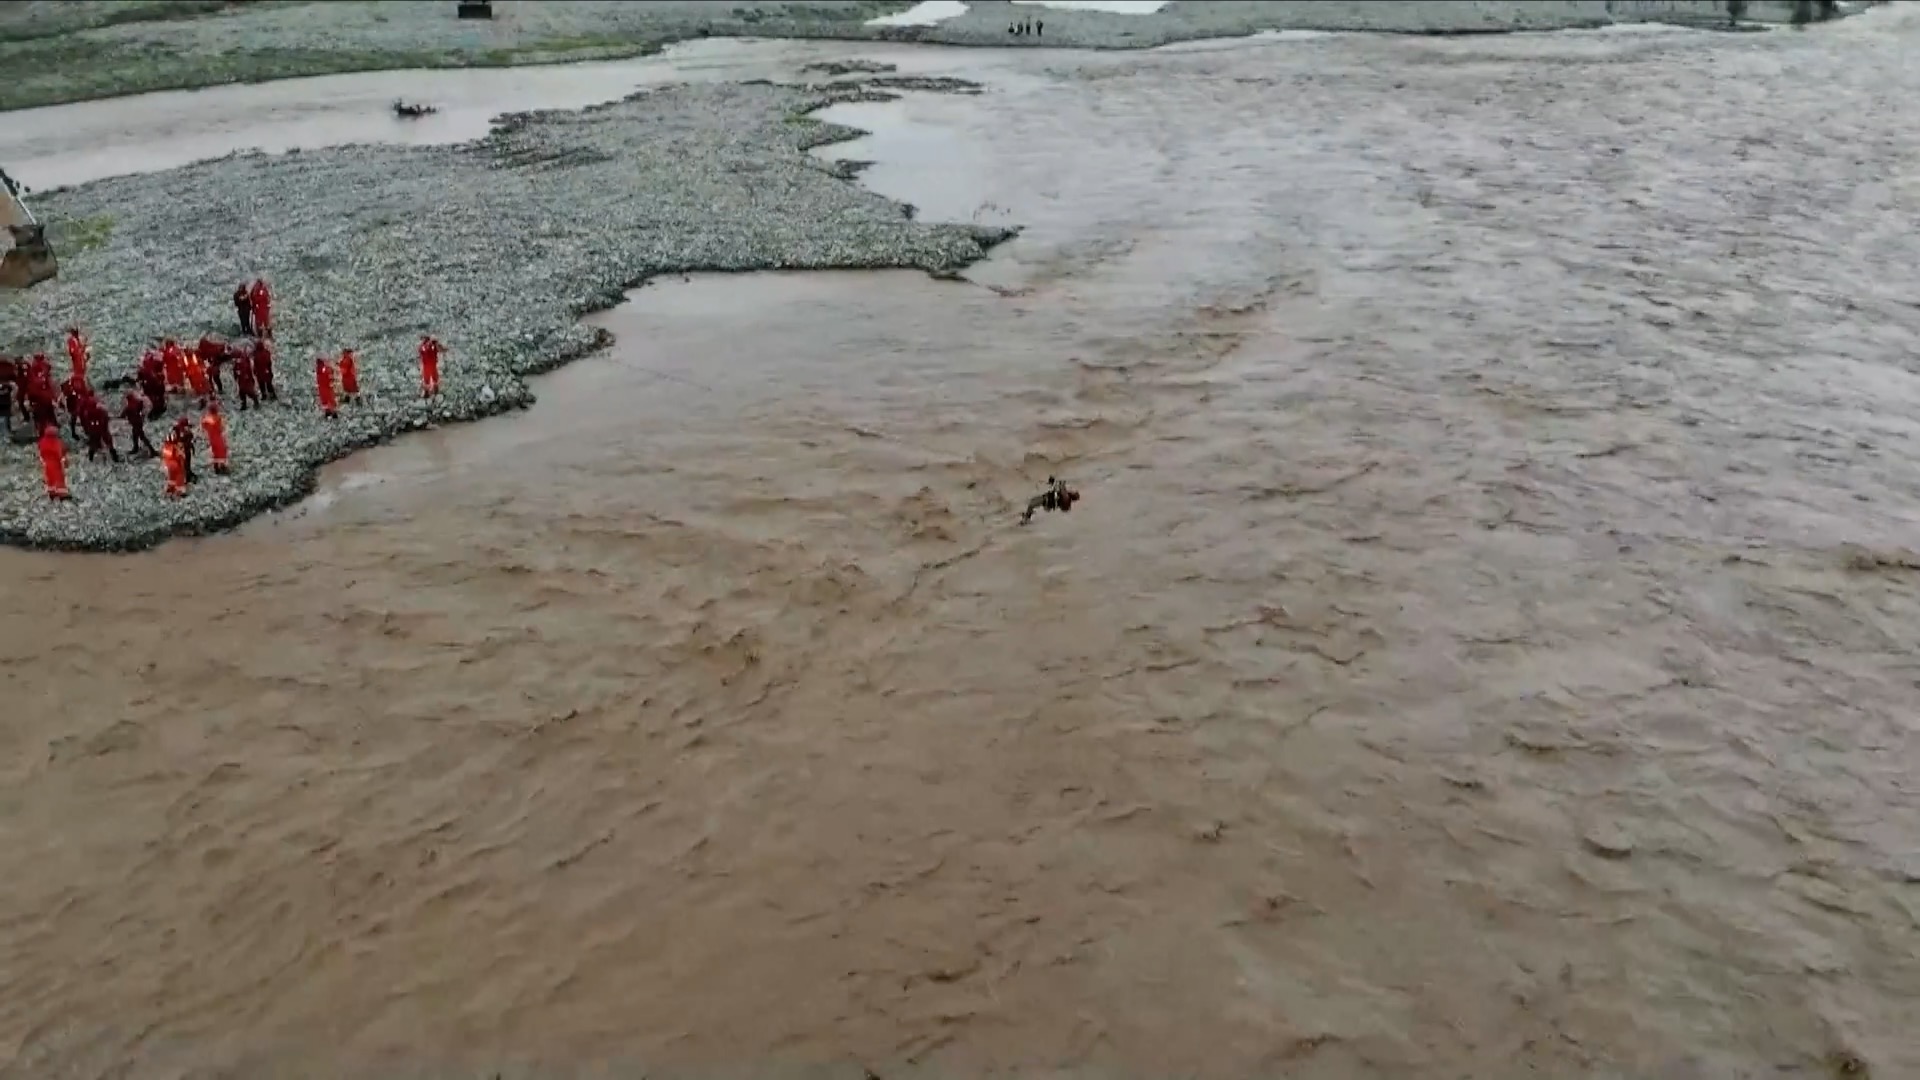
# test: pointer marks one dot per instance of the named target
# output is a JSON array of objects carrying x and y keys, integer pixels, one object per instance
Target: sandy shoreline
[
  {"x": 371, "y": 246},
  {"x": 59, "y": 53}
]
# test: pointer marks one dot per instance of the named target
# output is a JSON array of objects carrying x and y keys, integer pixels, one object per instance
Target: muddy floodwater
[{"x": 1486, "y": 647}]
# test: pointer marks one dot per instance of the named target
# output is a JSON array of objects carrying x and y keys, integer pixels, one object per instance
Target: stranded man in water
[{"x": 1057, "y": 496}]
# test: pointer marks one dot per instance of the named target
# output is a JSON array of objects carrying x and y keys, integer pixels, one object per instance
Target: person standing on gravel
[
  {"x": 243, "y": 309},
  {"x": 213, "y": 353},
  {"x": 19, "y": 390},
  {"x": 182, "y": 440},
  {"x": 153, "y": 384},
  {"x": 243, "y": 381},
  {"x": 176, "y": 472},
  {"x": 40, "y": 392},
  {"x": 73, "y": 391},
  {"x": 262, "y": 300},
  {"x": 263, "y": 369},
  {"x": 323, "y": 388},
  {"x": 215, "y": 426},
  {"x": 6, "y": 398},
  {"x": 99, "y": 428},
  {"x": 197, "y": 378},
  {"x": 53, "y": 462},
  {"x": 134, "y": 411},
  {"x": 430, "y": 350},
  {"x": 40, "y": 376},
  {"x": 173, "y": 363},
  {"x": 77, "y": 351},
  {"x": 349, "y": 377}
]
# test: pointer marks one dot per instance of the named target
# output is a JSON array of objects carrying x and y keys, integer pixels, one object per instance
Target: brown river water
[{"x": 1485, "y": 648}]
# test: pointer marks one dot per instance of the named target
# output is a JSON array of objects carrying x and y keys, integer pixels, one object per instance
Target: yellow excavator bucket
[{"x": 26, "y": 259}]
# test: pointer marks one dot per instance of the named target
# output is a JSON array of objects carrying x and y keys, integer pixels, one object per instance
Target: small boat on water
[{"x": 412, "y": 112}]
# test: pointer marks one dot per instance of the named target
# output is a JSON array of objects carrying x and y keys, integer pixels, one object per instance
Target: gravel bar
[
  {"x": 77, "y": 50},
  {"x": 497, "y": 247}
]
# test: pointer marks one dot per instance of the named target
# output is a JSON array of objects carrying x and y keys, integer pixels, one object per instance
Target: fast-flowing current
[{"x": 1485, "y": 646}]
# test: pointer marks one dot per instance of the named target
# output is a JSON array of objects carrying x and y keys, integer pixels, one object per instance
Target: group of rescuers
[{"x": 28, "y": 386}]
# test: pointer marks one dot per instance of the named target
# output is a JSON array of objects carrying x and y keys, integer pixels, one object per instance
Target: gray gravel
[
  {"x": 497, "y": 247},
  {"x": 58, "y": 52}
]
